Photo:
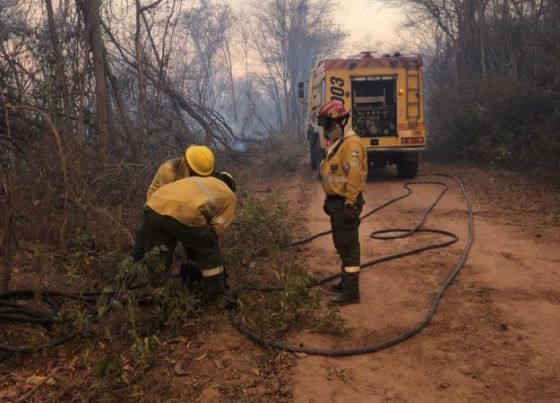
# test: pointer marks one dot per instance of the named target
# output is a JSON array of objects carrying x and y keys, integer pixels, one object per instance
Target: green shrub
[
  {"x": 261, "y": 229},
  {"x": 294, "y": 307},
  {"x": 498, "y": 122}
]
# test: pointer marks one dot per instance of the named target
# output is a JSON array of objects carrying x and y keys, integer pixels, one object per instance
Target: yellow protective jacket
[
  {"x": 170, "y": 171},
  {"x": 344, "y": 169},
  {"x": 196, "y": 201}
]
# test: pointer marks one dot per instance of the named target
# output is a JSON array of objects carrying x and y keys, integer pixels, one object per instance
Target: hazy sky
[
  {"x": 360, "y": 18},
  {"x": 367, "y": 22},
  {"x": 369, "y": 17}
]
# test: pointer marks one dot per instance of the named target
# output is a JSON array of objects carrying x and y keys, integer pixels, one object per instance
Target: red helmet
[{"x": 332, "y": 110}]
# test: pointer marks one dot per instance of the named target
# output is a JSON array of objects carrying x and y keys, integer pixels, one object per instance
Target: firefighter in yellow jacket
[
  {"x": 343, "y": 175},
  {"x": 170, "y": 171},
  {"x": 194, "y": 211}
]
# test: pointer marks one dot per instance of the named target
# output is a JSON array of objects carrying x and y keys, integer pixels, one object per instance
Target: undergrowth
[
  {"x": 258, "y": 255},
  {"x": 129, "y": 333}
]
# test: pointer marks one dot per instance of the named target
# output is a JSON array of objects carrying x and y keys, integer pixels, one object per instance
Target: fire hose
[
  {"x": 384, "y": 235},
  {"x": 11, "y": 311}
]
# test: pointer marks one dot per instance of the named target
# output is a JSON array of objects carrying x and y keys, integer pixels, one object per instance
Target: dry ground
[
  {"x": 495, "y": 334},
  {"x": 493, "y": 338}
]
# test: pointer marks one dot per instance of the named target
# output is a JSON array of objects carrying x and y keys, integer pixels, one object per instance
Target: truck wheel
[
  {"x": 407, "y": 169},
  {"x": 313, "y": 158}
]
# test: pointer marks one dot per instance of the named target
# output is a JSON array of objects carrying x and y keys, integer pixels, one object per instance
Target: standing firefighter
[
  {"x": 343, "y": 176},
  {"x": 194, "y": 211}
]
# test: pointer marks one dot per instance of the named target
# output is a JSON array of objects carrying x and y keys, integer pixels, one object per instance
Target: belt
[{"x": 335, "y": 197}]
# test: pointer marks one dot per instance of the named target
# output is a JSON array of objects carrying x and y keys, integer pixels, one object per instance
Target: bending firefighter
[
  {"x": 171, "y": 171},
  {"x": 343, "y": 174},
  {"x": 194, "y": 211}
]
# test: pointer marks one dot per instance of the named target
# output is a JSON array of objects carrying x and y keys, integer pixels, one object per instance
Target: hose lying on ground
[
  {"x": 10, "y": 311},
  {"x": 436, "y": 297},
  {"x": 13, "y": 312}
]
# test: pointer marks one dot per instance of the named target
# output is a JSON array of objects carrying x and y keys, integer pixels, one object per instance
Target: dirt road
[{"x": 495, "y": 334}]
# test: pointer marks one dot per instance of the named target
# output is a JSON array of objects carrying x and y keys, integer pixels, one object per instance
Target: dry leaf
[
  {"x": 178, "y": 369},
  {"x": 35, "y": 380}
]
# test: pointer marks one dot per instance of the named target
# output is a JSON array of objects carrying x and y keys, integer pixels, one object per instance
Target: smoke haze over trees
[
  {"x": 94, "y": 94},
  {"x": 135, "y": 76},
  {"x": 492, "y": 78}
]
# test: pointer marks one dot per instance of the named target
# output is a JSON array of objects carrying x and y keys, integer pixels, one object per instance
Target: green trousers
[
  {"x": 345, "y": 232},
  {"x": 200, "y": 243}
]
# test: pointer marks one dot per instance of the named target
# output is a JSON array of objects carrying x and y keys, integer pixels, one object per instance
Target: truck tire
[
  {"x": 313, "y": 157},
  {"x": 407, "y": 169},
  {"x": 314, "y": 147}
]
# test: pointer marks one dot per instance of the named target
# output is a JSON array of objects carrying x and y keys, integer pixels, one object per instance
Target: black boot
[
  {"x": 350, "y": 290},
  {"x": 214, "y": 287},
  {"x": 337, "y": 287},
  {"x": 191, "y": 277}
]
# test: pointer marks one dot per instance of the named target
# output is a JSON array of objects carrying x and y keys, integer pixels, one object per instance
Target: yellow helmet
[{"x": 200, "y": 160}]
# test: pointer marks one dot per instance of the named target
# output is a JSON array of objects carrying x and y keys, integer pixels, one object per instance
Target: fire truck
[{"x": 384, "y": 97}]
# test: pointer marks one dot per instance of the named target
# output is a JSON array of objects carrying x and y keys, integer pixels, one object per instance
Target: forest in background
[
  {"x": 94, "y": 94},
  {"x": 492, "y": 79}
]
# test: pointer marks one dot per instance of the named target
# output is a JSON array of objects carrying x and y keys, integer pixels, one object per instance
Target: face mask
[{"x": 334, "y": 132}]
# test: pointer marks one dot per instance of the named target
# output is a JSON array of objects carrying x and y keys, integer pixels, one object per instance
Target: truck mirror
[{"x": 301, "y": 92}]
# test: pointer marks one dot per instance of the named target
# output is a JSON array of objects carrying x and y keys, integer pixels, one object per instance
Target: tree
[
  {"x": 492, "y": 70},
  {"x": 289, "y": 36},
  {"x": 90, "y": 12}
]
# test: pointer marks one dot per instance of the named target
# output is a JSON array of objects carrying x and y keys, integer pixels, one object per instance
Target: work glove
[{"x": 349, "y": 212}]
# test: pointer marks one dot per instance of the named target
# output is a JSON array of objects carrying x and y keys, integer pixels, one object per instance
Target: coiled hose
[{"x": 383, "y": 234}]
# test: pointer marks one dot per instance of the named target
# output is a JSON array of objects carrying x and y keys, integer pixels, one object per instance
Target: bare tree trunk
[
  {"x": 231, "y": 81},
  {"x": 92, "y": 20},
  {"x": 6, "y": 195},
  {"x": 80, "y": 110},
  {"x": 6, "y": 236},
  {"x": 121, "y": 106},
  {"x": 512, "y": 58},
  {"x": 287, "y": 106},
  {"x": 482, "y": 18},
  {"x": 457, "y": 67},
  {"x": 142, "y": 123},
  {"x": 60, "y": 74},
  {"x": 536, "y": 10}
]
